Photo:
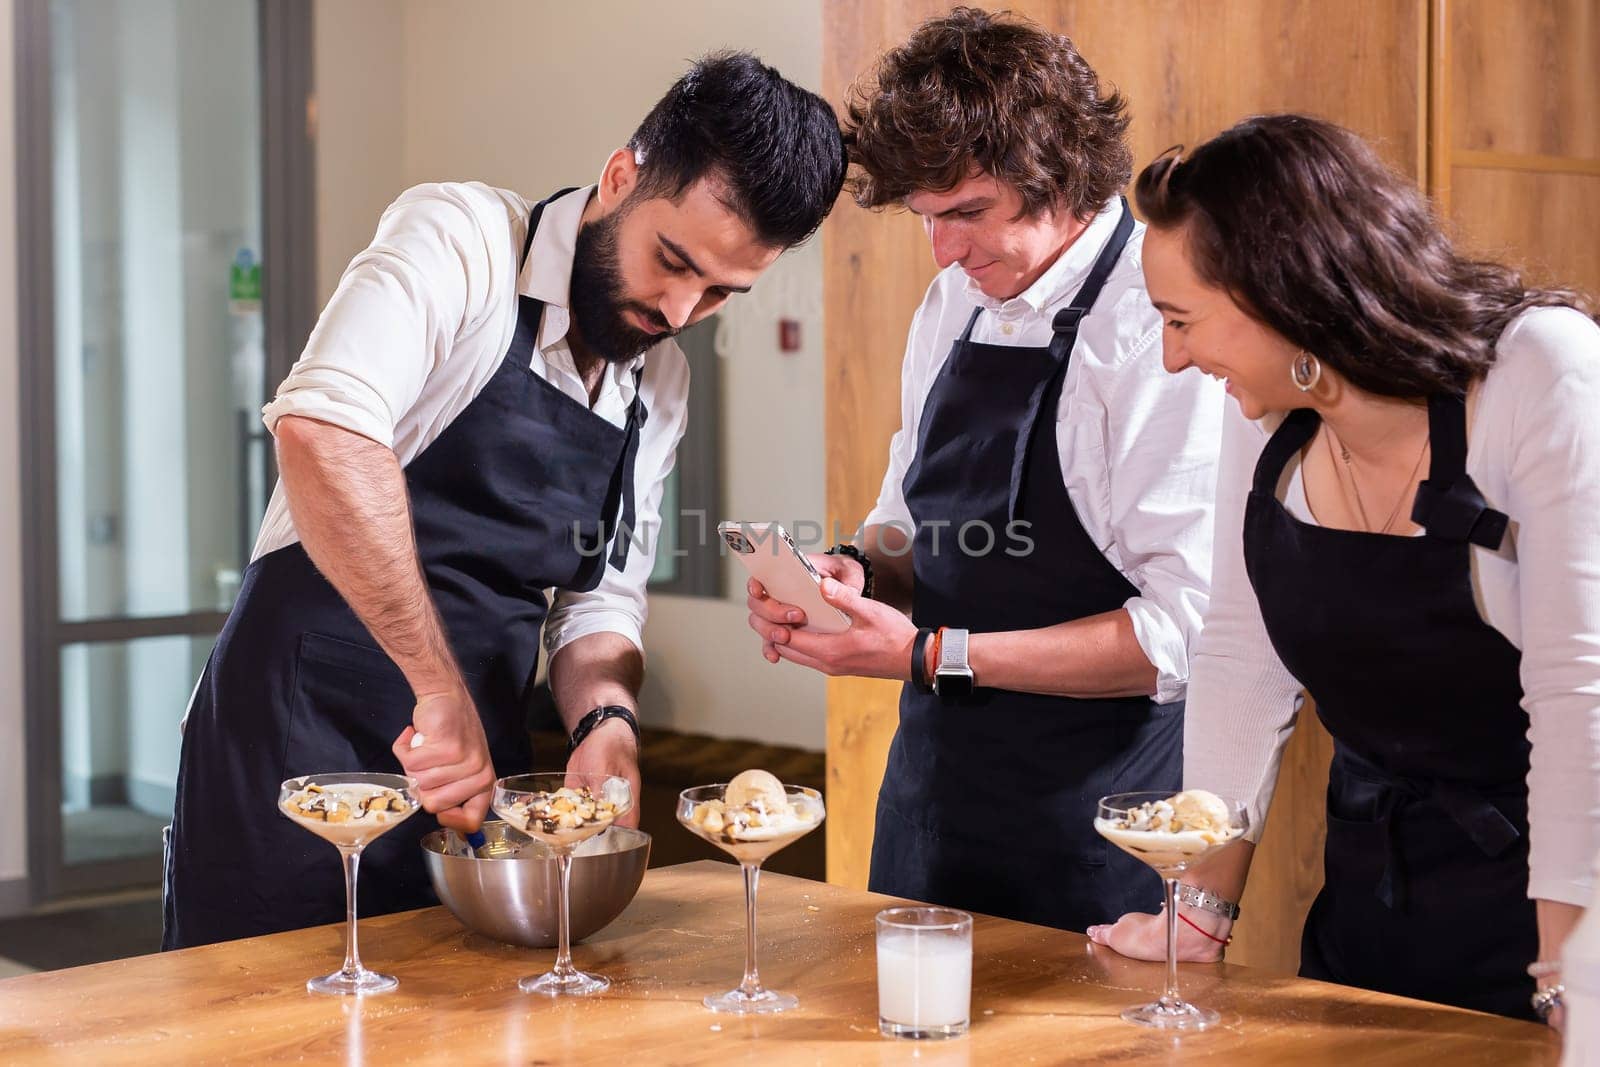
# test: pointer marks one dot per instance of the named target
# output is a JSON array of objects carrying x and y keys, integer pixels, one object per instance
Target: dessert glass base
[
  {"x": 761, "y": 1002},
  {"x": 1180, "y": 1015},
  {"x": 573, "y": 984},
  {"x": 351, "y": 983}
]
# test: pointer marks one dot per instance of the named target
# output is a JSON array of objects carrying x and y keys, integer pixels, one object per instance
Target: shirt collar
[
  {"x": 1066, "y": 275},
  {"x": 547, "y": 275}
]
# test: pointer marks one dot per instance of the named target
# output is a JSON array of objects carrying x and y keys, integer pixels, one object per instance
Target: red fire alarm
[{"x": 788, "y": 335}]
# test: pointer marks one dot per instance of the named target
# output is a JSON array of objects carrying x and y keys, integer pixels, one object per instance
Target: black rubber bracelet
[
  {"x": 599, "y": 715},
  {"x": 860, "y": 557},
  {"x": 919, "y": 662}
]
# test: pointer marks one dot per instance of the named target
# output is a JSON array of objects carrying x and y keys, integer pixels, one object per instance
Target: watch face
[{"x": 957, "y": 683}]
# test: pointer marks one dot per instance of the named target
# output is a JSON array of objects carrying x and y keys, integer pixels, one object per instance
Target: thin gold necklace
[{"x": 1349, "y": 465}]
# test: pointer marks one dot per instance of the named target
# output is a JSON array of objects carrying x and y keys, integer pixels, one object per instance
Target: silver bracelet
[
  {"x": 1545, "y": 1001},
  {"x": 1206, "y": 900}
]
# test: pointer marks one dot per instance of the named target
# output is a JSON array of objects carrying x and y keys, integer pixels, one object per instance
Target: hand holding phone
[{"x": 770, "y": 555}]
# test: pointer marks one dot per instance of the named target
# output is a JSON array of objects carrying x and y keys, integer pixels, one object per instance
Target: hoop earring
[{"x": 1305, "y": 371}]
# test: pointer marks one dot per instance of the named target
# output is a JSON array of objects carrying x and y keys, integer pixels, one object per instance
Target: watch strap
[
  {"x": 595, "y": 717},
  {"x": 953, "y": 649},
  {"x": 1206, "y": 900},
  {"x": 919, "y": 660}
]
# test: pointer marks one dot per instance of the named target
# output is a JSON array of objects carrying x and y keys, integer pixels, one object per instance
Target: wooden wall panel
[
  {"x": 1190, "y": 68},
  {"x": 1287, "y": 870},
  {"x": 1525, "y": 76},
  {"x": 876, "y": 267},
  {"x": 1545, "y": 223},
  {"x": 1523, "y": 88}
]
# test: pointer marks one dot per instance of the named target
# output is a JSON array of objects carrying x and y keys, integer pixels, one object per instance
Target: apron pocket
[{"x": 350, "y": 703}]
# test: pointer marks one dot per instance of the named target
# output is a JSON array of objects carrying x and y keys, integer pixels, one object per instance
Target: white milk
[{"x": 924, "y": 979}]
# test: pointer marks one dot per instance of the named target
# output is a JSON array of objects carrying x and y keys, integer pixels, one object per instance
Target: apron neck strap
[
  {"x": 1065, "y": 335},
  {"x": 1293, "y": 434},
  {"x": 1448, "y": 505},
  {"x": 1067, "y": 320},
  {"x": 530, "y": 310}
]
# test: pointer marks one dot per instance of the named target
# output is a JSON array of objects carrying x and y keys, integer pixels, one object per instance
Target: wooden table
[{"x": 1039, "y": 996}]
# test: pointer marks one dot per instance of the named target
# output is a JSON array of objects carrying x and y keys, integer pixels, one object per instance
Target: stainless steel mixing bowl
[{"x": 514, "y": 898}]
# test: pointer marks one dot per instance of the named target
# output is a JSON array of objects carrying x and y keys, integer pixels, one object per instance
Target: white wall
[
  {"x": 360, "y": 94},
  {"x": 13, "y": 796},
  {"x": 534, "y": 97}
]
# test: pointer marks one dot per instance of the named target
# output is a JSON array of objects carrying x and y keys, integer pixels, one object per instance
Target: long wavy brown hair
[
  {"x": 1311, "y": 233},
  {"x": 973, "y": 91}
]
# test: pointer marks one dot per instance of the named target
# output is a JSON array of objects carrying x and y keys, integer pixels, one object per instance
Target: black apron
[
  {"x": 520, "y": 493},
  {"x": 1425, "y": 890},
  {"x": 989, "y": 804}
]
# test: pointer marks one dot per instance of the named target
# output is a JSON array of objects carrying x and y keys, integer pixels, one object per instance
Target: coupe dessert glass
[
  {"x": 707, "y": 812},
  {"x": 349, "y": 810},
  {"x": 1171, "y": 833},
  {"x": 562, "y": 810}
]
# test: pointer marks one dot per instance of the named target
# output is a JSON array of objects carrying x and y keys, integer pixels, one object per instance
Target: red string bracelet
[{"x": 1205, "y": 933}]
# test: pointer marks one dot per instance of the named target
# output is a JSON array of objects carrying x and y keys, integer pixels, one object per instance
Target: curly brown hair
[
  {"x": 974, "y": 91},
  {"x": 1313, "y": 235}
]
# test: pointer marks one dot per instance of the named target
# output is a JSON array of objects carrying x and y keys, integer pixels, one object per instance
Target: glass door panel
[
  {"x": 121, "y": 705},
  {"x": 160, "y": 365}
]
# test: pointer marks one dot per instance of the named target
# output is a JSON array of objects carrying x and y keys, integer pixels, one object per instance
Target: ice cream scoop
[
  {"x": 751, "y": 786},
  {"x": 1198, "y": 809}
]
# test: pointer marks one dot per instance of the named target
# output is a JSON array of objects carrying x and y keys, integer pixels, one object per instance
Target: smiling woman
[{"x": 1451, "y": 654}]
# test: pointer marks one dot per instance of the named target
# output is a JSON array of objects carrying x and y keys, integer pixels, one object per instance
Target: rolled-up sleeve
[
  {"x": 618, "y": 604},
  {"x": 395, "y": 315},
  {"x": 1163, "y": 435}
]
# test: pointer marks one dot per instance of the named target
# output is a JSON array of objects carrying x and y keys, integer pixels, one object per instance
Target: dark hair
[
  {"x": 1313, "y": 235},
  {"x": 775, "y": 147},
  {"x": 995, "y": 92}
]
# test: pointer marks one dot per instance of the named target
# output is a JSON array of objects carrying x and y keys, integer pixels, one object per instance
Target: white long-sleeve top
[
  {"x": 1533, "y": 448},
  {"x": 1138, "y": 447},
  {"x": 420, "y": 322}
]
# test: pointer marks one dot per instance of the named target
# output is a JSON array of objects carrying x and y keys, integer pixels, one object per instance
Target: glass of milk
[{"x": 924, "y": 972}]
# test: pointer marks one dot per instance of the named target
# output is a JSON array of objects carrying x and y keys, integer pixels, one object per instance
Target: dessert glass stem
[
  {"x": 751, "y": 986},
  {"x": 1170, "y": 999},
  {"x": 352, "y": 955},
  {"x": 563, "y": 968}
]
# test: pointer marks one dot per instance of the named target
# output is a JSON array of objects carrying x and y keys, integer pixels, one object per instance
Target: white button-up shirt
[
  {"x": 1138, "y": 446},
  {"x": 419, "y": 324}
]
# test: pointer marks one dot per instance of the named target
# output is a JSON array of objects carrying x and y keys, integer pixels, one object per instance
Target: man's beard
[{"x": 598, "y": 301}]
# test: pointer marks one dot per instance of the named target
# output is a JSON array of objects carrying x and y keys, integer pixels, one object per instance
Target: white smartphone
[{"x": 773, "y": 559}]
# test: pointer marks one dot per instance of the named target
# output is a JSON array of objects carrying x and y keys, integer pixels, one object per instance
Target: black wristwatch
[
  {"x": 860, "y": 557},
  {"x": 599, "y": 715}
]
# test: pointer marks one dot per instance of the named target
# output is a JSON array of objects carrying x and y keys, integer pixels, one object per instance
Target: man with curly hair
[{"x": 1040, "y": 553}]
